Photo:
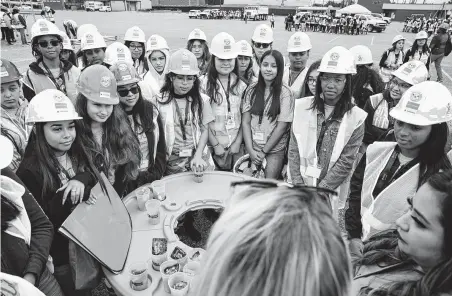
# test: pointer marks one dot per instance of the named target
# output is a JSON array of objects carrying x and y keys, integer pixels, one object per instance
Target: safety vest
[
  {"x": 297, "y": 84},
  {"x": 167, "y": 112},
  {"x": 385, "y": 72},
  {"x": 381, "y": 114},
  {"x": 256, "y": 67},
  {"x": 40, "y": 82},
  {"x": 305, "y": 131},
  {"x": 420, "y": 56},
  {"x": 380, "y": 212}
]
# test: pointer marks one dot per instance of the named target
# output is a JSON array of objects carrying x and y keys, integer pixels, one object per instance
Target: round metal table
[{"x": 188, "y": 195}]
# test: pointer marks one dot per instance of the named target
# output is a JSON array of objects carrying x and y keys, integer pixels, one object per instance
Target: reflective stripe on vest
[
  {"x": 381, "y": 114},
  {"x": 381, "y": 212},
  {"x": 297, "y": 84},
  {"x": 305, "y": 131}
]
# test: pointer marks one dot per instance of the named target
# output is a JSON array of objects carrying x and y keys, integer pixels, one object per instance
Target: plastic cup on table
[
  {"x": 143, "y": 195},
  {"x": 179, "y": 284},
  {"x": 182, "y": 261},
  {"x": 196, "y": 254},
  {"x": 198, "y": 177},
  {"x": 165, "y": 275},
  {"x": 159, "y": 189},
  {"x": 138, "y": 276},
  {"x": 156, "y": 260},
  {"x": 153, "y": 211},
  {"x": 192, "y": 268}
]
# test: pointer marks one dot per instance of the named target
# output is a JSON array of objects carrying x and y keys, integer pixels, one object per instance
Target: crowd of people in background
[
  {"x": 351, "y": 25},
  {"x": 318, "y": 136}
]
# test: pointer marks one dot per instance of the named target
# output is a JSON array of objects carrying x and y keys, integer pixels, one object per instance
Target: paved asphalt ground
[{"x": 175, "y": 27}]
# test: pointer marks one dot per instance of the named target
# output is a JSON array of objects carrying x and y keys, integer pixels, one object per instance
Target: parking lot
[{"x": 175, "y": 27}]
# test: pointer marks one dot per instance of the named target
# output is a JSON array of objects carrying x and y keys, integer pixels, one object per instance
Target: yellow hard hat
[
  {"x": 98, "y": 84},
  {"x": 183, "y": 62}
]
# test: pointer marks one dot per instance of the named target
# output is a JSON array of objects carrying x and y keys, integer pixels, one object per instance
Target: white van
[{"x": 194, "y": 13}]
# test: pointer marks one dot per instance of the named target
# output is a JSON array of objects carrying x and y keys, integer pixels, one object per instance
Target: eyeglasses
[
  {"x": 308, "y": 190},
  {"x": 312, "y": 81},
  {"x": 46, "y": 43},
  {"x": 261, "y": 45},
  {"x": 405, "y": 85},
  {"x": 123, "y": 92},
  {"x": 329, "y": 80},
  {"x": 135, "y": 47}
]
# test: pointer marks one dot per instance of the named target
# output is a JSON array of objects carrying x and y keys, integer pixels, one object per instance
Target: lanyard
[
  {"x": 227, "y": 92},
  {"x": 261, "y": 116},
  {"x": 290, "y": 77},
  {"x": 181, "y": 122},
  {"x": 49, "y": 73},
  {"x": 392, "y": 171}
]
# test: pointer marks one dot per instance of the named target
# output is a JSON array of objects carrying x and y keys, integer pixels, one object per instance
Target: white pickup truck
[
  {"x": 256, "y": 12},
  {"x": 194, "y": 13}
]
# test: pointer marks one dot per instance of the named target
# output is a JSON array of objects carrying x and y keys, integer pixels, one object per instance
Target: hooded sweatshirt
[
  {"x": 36, "y": 80},
  {"x": 160, "y": 78}
]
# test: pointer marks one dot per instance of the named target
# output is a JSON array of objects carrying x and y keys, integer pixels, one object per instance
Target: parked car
[
  {"x": 194, "y": 13},
  {"x": 105, "y": 9},
  {"x": 26, "y": 7},
  {"x": 372, "y": 23},
  {"x": 381, "y": 17},
  {"x": 205, "y": 14}
]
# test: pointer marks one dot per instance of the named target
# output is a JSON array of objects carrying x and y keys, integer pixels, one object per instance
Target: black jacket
[
  {"x": 156, "y": 168},
  {"x": 18, "y": 258},
  {"x": 52, "y": 205}
]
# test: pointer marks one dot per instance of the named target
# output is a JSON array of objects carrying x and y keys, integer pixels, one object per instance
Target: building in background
[{"x": 400, "y": 9}]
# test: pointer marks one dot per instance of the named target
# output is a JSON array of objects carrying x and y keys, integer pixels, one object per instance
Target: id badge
[
  {"x": 185, "y": 153},
  {"x": 258, "y": 136},
  {"x": 230, "y": 121},
  {"x": 313, "y": 172}
]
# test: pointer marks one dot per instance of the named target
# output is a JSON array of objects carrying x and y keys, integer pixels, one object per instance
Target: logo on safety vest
[
  {"x": 185, "y": 65},
  {"x": 333, "y": 59},
  {"x": 227, "y": 45},
  {"x": 105, "y": 81}
]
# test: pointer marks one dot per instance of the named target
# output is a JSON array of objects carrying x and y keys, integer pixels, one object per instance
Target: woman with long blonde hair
[{"x": 275, "y": 240}]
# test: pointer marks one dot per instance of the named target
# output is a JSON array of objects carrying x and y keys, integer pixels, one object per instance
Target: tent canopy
[{"x": 354, "y": 9}]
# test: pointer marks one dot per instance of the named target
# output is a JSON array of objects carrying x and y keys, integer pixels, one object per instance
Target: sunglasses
[
  {"x": 46, "y": 43},
  {"x": 123, "y": 92},
  {"x": 261, "y": 45},
  {"x": 305, "y": 190}
]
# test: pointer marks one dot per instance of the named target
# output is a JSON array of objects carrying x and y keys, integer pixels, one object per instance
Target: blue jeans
[
  {"x": 63, "y": 275},
  {"x": 275, "y": 163}
]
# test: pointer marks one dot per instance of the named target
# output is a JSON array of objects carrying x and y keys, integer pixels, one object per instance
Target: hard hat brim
[
  {"x": 245, "y": 54},
  {"x": 99, "y": 100},
  {"x": 302, "y": 49},
  {"x": 410, "y": 118},
  {"x": 130, "y": 81},
  {"x": 225, "y": 56},
  {"x": 184, "y": 72},
  {"x": 32, "y": 121},
  {"x": 262, "y": 40},
  {"x": 326, "y": 70}
]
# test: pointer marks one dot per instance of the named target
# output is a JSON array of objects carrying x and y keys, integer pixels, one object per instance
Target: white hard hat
[
  {"x": 223, "y": 46},
  {"x": 183, "y": 62},
  {"x": 117, "y": 52},
  {"x": 43, "y": 27},
  {"x": 7, "y": 152},
  {"x": 135, "y": 34},
  {"x": 426, "y": 103},
  {"x": 92, "y": 40},
  {"x": 245, "y": 166},
  {"x": 299, "y": 42},
  {"x": 412, "y": 72},
  {"x": 362, "y": 54},
  {"x": 51, "y": 105},
  {"x": 243, "y": 48},
  {"x": 85, "y": 28},
  {"x": 421, "y": 35},
  {"x": 397, "y": 39},
  {"x": 338, "y": 60},
  {"x": 98, "y": 84},
  {"x": 263, "y": 34},
  {"x": 66, "y": 41},
  {"x": 156, "y": 42},
  {"x": 197, "y": 34}
]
